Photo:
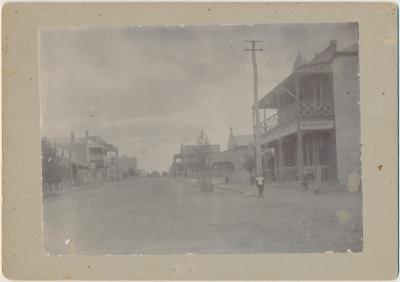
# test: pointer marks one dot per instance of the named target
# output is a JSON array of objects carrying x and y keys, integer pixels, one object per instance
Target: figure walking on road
[{"x": 260, "y": 186}]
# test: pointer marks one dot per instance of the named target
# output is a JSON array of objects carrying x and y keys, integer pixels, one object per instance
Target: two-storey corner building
[
  {"x": 317, "y": 119},
  {"x": 74, "y": 153},
  {"x": 104, "y": 156}
]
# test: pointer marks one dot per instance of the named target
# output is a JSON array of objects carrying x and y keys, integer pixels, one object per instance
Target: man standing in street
[{"x": 260, "y": 186}]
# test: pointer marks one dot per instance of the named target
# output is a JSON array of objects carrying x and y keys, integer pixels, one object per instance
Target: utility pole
[{"x": 257, "y": 136}]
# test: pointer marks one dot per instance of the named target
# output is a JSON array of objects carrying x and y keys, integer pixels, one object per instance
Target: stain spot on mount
[{"x": 380, "y": 167}]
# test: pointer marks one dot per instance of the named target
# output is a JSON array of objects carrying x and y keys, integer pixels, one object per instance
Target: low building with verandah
[{"x": 231, "y": 164}]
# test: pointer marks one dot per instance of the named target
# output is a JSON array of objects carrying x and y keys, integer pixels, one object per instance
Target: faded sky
[{"x": 145, "y": 89}]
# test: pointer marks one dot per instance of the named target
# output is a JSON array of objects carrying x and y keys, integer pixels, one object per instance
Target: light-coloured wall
[{"x": 347, "y": 116}]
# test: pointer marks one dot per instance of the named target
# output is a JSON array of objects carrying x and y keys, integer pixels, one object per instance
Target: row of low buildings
[
  {"x": 185, "y": 163},
  {"x": 90, "y": 159},
  {"x": 315, "y": 128},
  {"x": 230, "y": 164}
]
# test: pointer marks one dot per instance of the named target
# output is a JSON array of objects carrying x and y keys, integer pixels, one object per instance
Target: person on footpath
[{"x": 260, "y": 186}]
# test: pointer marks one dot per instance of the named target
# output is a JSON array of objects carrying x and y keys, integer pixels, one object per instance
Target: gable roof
[
  {"x": 300, "y": 61},
  {"x": 97, "y": 139},
  {"x": 269, "y": 101},
  {"x": 65, "y": 140},
  {"x": 326, "y": 55},
  {"x": 91, "y": 140}
]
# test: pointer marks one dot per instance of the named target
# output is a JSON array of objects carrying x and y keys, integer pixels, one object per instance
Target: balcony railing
[{"x": 305, "y": 109}]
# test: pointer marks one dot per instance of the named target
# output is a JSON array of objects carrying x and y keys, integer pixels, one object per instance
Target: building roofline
[{"x": 331, "y": 48}]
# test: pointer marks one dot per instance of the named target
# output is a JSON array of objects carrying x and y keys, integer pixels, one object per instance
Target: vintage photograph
[{"x": 215, "y": 139}]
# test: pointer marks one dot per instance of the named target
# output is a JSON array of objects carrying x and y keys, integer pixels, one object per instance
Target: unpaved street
[{"x": 172, "y": 216}]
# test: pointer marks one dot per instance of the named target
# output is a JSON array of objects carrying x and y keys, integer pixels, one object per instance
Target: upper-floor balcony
[
  {"x": 99, "y": 156},
  {"x": 305, "y": 110}
]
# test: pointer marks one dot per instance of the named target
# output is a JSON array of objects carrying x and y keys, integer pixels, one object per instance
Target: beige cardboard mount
[{"x": 23, "y": 257}]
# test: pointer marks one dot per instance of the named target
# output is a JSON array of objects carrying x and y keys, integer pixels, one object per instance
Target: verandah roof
[{"x": 269, "y": 101}]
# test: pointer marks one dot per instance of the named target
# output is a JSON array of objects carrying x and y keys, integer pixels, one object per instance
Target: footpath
[
  {"x": 88, "y": 186},
  {"x": 292, "y": 187},
  {"x": 244, "y": 189}
]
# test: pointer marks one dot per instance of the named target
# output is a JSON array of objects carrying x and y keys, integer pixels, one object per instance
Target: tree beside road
[
  {"x": 202, "y": 150},
  {"x": 52, "y": 166}
]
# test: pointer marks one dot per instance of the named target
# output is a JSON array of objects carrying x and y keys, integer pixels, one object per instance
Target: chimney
[
  {"x": 72, "y": 137},
  {"x": 333, "y": 44},
  {"x": 87, "y": 133}
]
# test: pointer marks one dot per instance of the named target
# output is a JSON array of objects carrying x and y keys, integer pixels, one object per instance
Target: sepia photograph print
[{"x": 201, "y": 139}]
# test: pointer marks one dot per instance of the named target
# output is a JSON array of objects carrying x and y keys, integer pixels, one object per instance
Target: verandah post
[{"x": 299, "y": 133}]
